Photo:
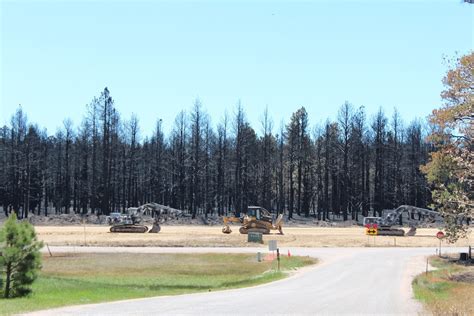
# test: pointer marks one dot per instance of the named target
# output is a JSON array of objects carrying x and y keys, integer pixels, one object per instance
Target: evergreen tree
[{"x": 20, "y": 257}]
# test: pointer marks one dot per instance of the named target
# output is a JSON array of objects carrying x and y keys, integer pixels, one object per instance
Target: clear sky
[{"x": 158, "y": 57}]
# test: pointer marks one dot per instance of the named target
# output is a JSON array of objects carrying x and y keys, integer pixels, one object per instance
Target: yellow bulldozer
[{"x": 254, "y": 219}]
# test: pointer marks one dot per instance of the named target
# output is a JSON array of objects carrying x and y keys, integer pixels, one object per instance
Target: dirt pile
[
  {"x": 466, "y": 277},
  {"x": 66, "y": 219},
  {"x": 92, "y": 219}
]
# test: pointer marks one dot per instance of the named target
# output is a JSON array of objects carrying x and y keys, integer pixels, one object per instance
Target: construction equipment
[
  {"x": 130, "y": 222},
  {"x": 254, "y": 219},
  {"x": 230, "y": 219},
  {"x": 382, "y": 226}
]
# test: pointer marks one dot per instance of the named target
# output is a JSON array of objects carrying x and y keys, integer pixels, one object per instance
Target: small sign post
[
  {"x": 371, "y": 229},
  {"x": 272, "y": 245},
  {"x": 84, "y": 223},
  {"x": 440, "y": 236},
  {"x": 255, "y": 237},
  {"x": 278, "y": 258}
]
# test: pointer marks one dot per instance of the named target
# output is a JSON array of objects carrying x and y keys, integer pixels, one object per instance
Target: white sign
[{"x": 272, "y": 245}]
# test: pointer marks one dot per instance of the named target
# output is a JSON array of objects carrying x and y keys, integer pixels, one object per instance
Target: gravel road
[{"x": 347, "y": 281}]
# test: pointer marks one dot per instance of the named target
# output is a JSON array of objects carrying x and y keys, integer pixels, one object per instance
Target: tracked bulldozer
[
  {"x": 254, "y": 219},
  {"x": 383, "y": 226},
  {"x": 130, "y": 222}
]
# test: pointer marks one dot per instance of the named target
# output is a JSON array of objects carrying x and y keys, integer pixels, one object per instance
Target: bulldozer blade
[
  {"x": 155, "y": 229},
  {"x": 411, "y": 232}
]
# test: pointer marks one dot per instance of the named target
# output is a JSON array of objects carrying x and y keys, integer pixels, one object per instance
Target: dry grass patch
[{"x": 447, "y": 290}]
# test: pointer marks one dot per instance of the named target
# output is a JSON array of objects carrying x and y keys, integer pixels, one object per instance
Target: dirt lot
[{"x": 211, "y": 236}]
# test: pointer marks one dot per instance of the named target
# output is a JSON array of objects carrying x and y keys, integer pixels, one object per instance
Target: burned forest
[{"x": 356, "y": 165}]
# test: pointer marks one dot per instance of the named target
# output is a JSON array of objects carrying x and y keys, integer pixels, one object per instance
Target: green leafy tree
[
  {"x": 451, "y": 168},
  {"x": 20, "y": 259}
]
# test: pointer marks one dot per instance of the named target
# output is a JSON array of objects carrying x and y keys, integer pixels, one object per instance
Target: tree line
[{"x": 350, "y": 167}]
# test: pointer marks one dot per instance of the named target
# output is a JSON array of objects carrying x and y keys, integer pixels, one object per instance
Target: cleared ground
[{"x": 211, "y": 236}]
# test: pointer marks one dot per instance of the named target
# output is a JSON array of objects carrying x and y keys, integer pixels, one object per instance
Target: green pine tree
[{"x": 20, "y": 258}]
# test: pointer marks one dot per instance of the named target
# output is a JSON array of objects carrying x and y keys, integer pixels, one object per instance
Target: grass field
[
  {"x": 90, "y": 278},
  {"x": 447, "y": 290},
  {"x": 211, "y": 236}
]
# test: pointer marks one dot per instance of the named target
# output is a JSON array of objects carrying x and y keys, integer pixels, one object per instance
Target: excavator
[
  {"x": 254, "y": 219},
  {"x": 383, "y": 226},
  {"x": 131, "y": 221}
]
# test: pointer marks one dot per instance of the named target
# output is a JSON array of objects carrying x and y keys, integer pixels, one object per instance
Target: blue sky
[{"x": 158, "y": 57}]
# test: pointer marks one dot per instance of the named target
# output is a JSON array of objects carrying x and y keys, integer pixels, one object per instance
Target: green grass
[
  {"x": 439, "y": 293},
  {"x": 91, "y": 278},
  {"x": 434, "y": 285}
]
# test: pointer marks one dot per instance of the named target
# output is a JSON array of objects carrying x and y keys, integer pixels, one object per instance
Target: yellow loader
[{"x": 255, "y": 219}]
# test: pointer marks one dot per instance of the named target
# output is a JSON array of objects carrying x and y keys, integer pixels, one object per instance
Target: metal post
[
  {"x": 85, "y": 242},
  {"x": 278, "y": 258},
  {"x": 426, "y": 273},
  {"x": 440, "y": 247},
  {"x": 50, "y": 254}
]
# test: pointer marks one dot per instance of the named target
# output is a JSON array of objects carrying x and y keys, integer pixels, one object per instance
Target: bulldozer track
[
  {"x": 129, "y": 229},
  {"x": 391, "y": 232},
  {"x": 245, "y": 230}
]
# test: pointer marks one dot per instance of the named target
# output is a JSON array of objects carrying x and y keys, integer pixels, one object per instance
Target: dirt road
[
  {"x": 347, "y": 281},
  {"x": 211, "y": 236}
]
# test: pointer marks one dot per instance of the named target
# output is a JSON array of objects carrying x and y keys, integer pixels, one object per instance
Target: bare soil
[
  {"x": 466, "y": 277},
  {"x": 211, "y": 236}
]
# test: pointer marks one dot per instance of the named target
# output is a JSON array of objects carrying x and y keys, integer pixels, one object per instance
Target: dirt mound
[
  {"x": 466, "y": 277},
  {"x": 92, "y": 219},
  {"x": 66, "y": 219},
  {"x": 188, "y": 220},
  {"x": 303, "y": 221}
]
